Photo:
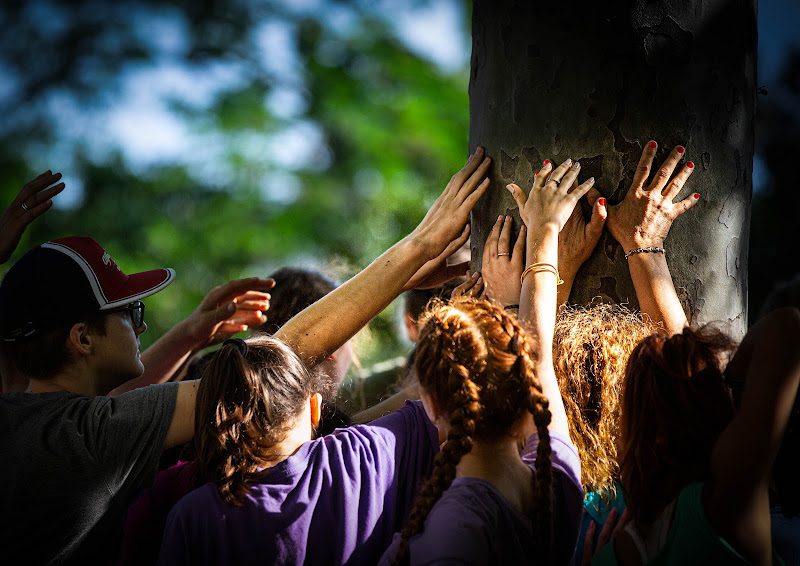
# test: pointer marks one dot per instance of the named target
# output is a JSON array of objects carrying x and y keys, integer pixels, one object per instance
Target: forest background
[{"x": 228, "y": 138}]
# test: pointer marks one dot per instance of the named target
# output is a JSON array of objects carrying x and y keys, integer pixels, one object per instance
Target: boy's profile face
[{"x": 116, "y": 355}]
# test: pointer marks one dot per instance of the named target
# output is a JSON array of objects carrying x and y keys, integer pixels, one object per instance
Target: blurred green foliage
[{"x": 389, "y": 128}]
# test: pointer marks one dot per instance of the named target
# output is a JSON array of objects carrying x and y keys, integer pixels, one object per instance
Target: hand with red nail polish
[
  {"x": 645, "y": 215},
  {"x": 577, "y": 238},
  {"x": 642, "y": 220}
]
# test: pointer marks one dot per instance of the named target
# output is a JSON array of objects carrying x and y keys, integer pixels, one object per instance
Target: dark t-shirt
[
  {"x": 474, "y": 524},
  {"x": 71, "y": 464}
]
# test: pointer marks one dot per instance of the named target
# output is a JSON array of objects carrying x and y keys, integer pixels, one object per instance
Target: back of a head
[
  {"x": 295, "y": 289},
  {"x": 591, "y": 346},
  {"x": 475, "y": 362},
  {"x": 250, "y": 395},
  {"x": 472, "y": 354},
  {"x": 675, "y": 404}
]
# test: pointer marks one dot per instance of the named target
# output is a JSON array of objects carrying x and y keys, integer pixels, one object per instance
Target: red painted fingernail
[
  {"x": 680, "y": 149},
  {"x": 547, "y": 162},
  {"x": 602, "y": 201},
  {"x": 690, "y": 165},
  {"x": 653, "y": 144},
  {"x": 535, "y": 173},
  {"x": 696, "y": 195}
]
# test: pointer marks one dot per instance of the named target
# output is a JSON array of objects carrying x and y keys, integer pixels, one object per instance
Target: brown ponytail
[{"x": 247, "y": 400}]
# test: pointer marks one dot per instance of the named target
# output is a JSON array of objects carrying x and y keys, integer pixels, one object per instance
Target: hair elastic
[{"x": 240, "y": 344}]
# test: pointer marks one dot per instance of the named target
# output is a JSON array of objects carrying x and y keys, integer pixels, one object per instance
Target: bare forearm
[
  {"x": 327, "y": 324},
  {"x": 656, "y": 292},
  {"x": 537, "y": 311},
  {"x": 387, "y": 406}
]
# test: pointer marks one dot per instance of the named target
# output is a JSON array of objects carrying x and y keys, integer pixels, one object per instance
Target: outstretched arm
[
  {"x": 736, "y": 499},
  {"x": 31, "y": 202},
  {"x": 545, "y": 211},
  {"x": 642, "y": 220},
  {"x": 327, "y": 324},
  {"x": 224, "y": 311}
]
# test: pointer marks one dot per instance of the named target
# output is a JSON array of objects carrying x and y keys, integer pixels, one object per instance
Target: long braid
[
  {"x": 462, "y": 422},
  {"x": 475, "y": 362},
  {"x": 538, "y": 405}
]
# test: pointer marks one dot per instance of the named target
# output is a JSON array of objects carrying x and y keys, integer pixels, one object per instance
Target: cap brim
[{"x": 139, "y": 286}]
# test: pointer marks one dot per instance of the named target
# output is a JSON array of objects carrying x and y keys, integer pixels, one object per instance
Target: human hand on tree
[
  {"x": 645, "y": 215},
  {"x": 553, "y": 197},
  {"x": 444, "y": 228},
  {"x": 502, "y": 265},
  {"x": 31, "y": 202},
  {"x": 472, "y": 287},
  {"x": 578, "y": 238}
]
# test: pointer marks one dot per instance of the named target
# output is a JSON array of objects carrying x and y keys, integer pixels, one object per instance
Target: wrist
[
  {"x": 647, "y": 254},
  {"x": 542, "y": 244},
  {"x": 642, "y": 240},
  {"x": 417, "y": 246},
  {"x": 185, "y": 336}
]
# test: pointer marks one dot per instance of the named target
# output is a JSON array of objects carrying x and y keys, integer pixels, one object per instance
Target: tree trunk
[{"x": 595, "y": 82}]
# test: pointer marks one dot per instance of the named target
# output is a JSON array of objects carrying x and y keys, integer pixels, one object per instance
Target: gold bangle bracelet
[{"x": 539, "y": 267}]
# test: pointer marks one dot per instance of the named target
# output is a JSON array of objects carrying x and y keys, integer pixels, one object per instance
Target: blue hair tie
[{"x": 240, "y": 345}]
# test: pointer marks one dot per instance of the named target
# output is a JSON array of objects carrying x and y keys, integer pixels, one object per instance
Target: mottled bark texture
[{"x": 595, "y": 81}]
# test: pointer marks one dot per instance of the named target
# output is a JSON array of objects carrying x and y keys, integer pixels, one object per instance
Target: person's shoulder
[
  {"x": 472, "y": 503},
  {"x": 143, "y": 394},
  {"x": 203, "y": 500},
  {"x": 460, "y": 527},
  {"x": 33, "y": 410}
]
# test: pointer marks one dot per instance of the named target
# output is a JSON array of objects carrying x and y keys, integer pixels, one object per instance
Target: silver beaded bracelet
[{"x": 645, "y": 250}]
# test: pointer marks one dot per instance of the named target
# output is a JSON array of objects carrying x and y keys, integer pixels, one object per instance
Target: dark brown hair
[
  {"x": 295, "y": 289},
  {"x": 246, "y": 403},
  {"x": 591, "y": 346},
  {"x": 475, "y": 362},
  {"x": 46, "y": 353},
  {"x": 675, "y": 404}
]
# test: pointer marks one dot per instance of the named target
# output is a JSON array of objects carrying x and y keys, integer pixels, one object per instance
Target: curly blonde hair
[{"x": 591, "y": 347}]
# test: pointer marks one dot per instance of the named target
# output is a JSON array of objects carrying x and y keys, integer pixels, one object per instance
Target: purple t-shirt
[
  {"x": 337, "y": 500},
  {"x": 473, "y": 523}
]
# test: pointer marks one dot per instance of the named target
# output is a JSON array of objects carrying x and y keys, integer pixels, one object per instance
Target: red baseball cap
[{"x": 60, "y": 281}]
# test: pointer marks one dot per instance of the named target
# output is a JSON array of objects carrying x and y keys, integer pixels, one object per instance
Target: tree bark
[{"x": 595, "y": 81}]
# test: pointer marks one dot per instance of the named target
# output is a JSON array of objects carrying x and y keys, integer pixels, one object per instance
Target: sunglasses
[{"x": 136, "y": 312}]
